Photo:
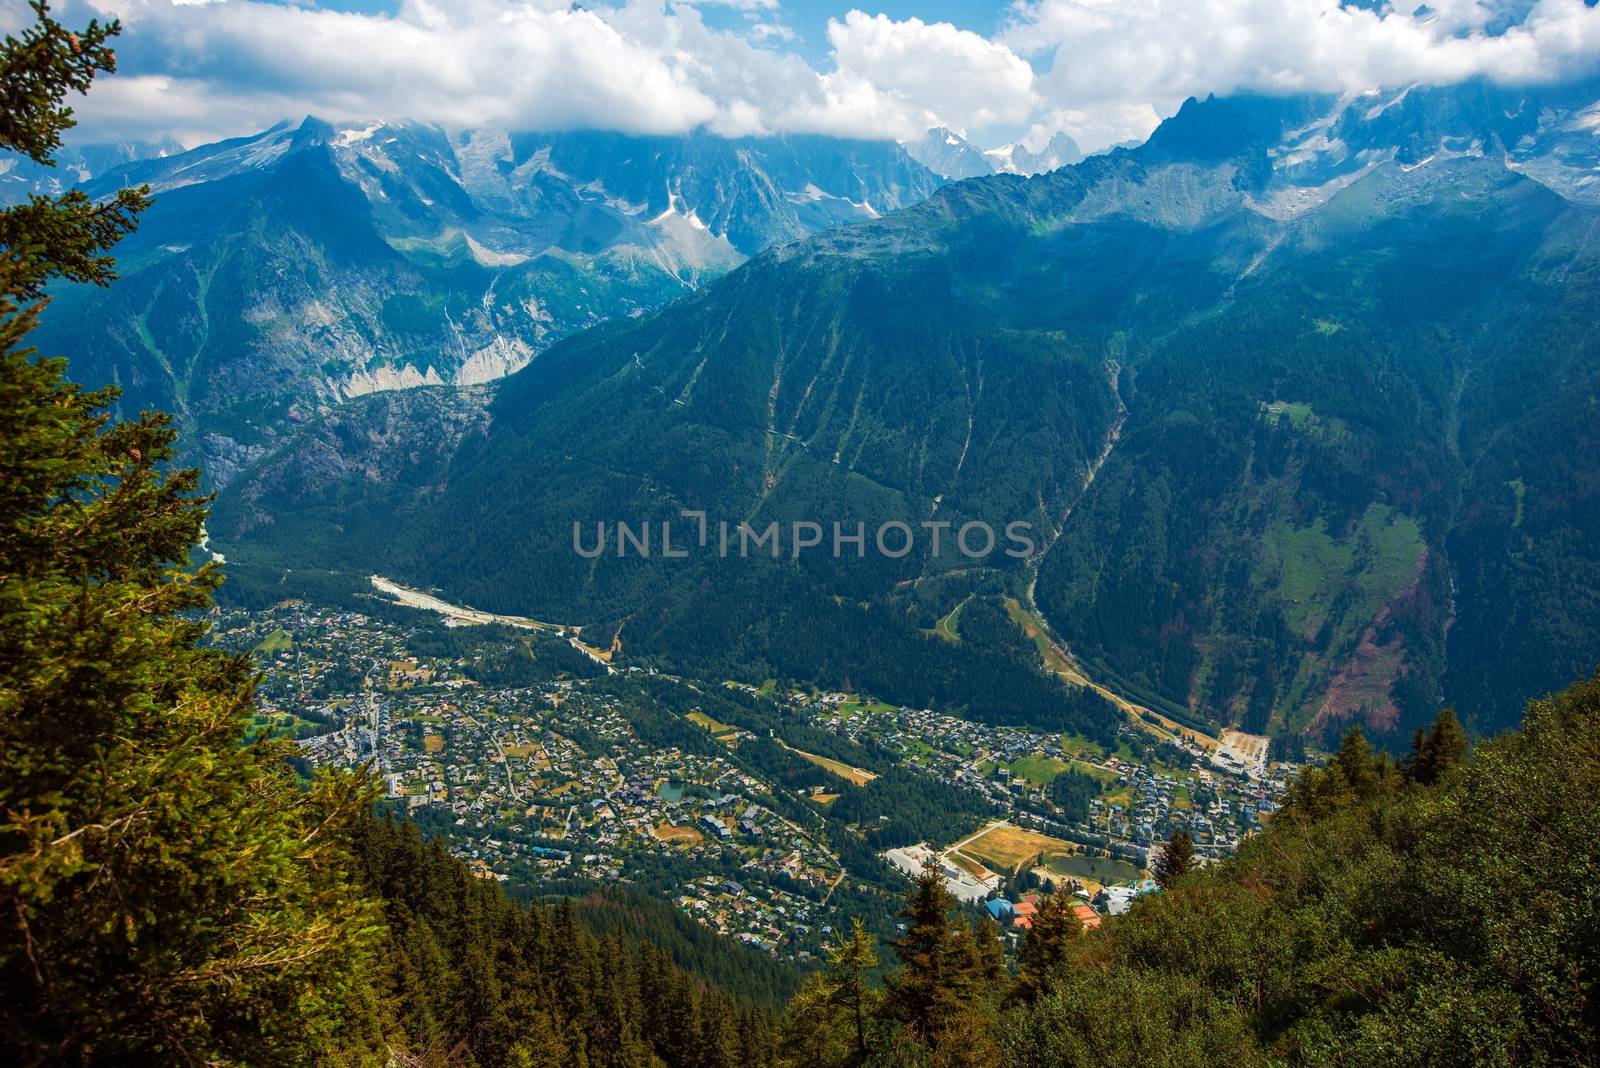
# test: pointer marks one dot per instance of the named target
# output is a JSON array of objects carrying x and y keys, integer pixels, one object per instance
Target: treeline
[
  {"x": 758, "y": 979},
  {"x": 476, "y": 978},
  {"x": 1431, "y": 911}
]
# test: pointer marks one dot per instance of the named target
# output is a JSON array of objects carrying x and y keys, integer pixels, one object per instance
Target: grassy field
[
  {"x": 666, "y": 832},
  {"x": 1314, "y": 570},
  {"x": 279, "y": 641},
  {"x": 854, "y": 705},
  {"x": 859, "y": 776},
  {"x": 720, "y": 731},
  {"x": 433, "y": 743},
  {"x": 946, "y": 627},
  {"x": 1007, "y": 847},
  {"x": 1039, "y": 770},
  {"x": 969, "y": 865}
]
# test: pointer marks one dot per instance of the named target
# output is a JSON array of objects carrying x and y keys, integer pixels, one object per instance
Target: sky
[{"x": 1103, "y": 71}]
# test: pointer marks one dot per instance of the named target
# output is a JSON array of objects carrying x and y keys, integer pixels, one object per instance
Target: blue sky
[{"x": 997, "y": 70}]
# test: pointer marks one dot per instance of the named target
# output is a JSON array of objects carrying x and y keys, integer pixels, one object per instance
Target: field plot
[
  {"x": 722, "y": 732},
  {"x": 1039, "y": 770},
  {"x": 969, "y": 865},
  {"x": 859, "y": 776},
  {"x": 666, "y": 832},
  {"x": 1008, "y": 848},
  {"x": 279, "y": 641},
  {"x": 854, "y": 705}
]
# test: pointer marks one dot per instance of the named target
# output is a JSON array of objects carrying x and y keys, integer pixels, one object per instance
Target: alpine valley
[
  {"x": 1299, "y": 396},
  {"x": 584, "y": 599}
]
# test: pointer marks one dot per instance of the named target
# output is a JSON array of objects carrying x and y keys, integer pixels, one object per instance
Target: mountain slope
[
  {"x": 1296, "y": 370},
  {"x": 286, "y": 272}
]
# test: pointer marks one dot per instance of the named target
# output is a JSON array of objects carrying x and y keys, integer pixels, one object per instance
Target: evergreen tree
[
  {"x": 851, "y": 962},
  {"x": 830, "y": 1020},
  {"x": 1437, "y": 750},
  {"x": 991, "y": 954},
  {"x": 1045, "y": 947},
  {"x": 1177, "y": 860},
  {"x": 1355, "y": 774},
  {"x": 168, "y": 893},
  {"x": 939, "y": 995}
]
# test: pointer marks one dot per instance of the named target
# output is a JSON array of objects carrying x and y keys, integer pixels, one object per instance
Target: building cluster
[
  {"x": 1174, "y": 787},
  {"x": 551, "y": 781},
  {"x": 547, "y": 782}
]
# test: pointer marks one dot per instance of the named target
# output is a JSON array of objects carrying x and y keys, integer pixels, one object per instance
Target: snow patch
[{"x": 353, "y": 136}]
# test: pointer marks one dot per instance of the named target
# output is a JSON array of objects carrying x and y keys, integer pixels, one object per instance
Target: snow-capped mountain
[
  {"x": 947, "y": 153},
  {"x": 309, "y": 263},
  {"x": 952, "y": 156},
  {"x": 1060, "y": 151},
  {"x": 75, "y": 165}
]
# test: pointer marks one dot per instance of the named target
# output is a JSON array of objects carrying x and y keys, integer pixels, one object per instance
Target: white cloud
[
  {"x": 1107, "y": 68},
  {"x": 933, "y": 73},
  {"x": 644, "y": 66},
  {"x": 1109, "y": 62}
]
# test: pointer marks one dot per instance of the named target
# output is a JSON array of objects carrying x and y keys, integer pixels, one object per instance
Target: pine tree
[
  {"x": 1176, "y": 861},
  {"x": 1045, "y": 947},
  {"x": 939, "y": 994},
  {"x": 1355, "y": 774},
  {"x": 850, "y": 964},
  {"x": 168, "y": 892},
  {"x": 991, "y": 966},
  {"x": 1437, "y": 750}
]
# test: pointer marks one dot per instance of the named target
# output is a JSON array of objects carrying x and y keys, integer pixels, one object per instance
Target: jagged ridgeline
[
  {"x": 1324, "y": 364},
  {"x": 287, "y": 271}
]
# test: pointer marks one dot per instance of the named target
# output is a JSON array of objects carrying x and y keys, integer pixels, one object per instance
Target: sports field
[{"x": 1006, "y": 847}]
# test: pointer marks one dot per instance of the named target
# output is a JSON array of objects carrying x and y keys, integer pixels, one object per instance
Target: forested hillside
[
  {"x": 1295, "y": 438},
  {"x": 1440, "y": 910}
]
